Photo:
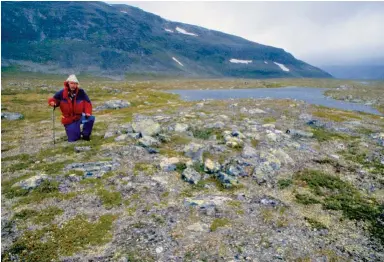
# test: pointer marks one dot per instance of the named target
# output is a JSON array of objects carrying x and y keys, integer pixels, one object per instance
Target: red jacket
[{"x": 71, "y": 109}]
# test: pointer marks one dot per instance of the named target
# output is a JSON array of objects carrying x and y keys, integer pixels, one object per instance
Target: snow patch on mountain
[
  {"x": 182, "y": 31},
  {"x": 283, "y": 67},
  {"x": 174, "y": 59},
  {"x": 238, "y": 61}
]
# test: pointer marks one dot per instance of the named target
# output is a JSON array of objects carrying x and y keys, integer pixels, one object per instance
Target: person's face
[{"x": 73, "y": 85}]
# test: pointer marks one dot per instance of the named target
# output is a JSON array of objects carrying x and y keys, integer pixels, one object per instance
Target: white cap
[{"x": 72, "y": 78}]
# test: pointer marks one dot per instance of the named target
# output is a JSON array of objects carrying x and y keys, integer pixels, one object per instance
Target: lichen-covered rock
[
  {"x": 79, "y": 149},
  {"x": 232, "y": 139},
  {"x": 256, "y": 111},
  {"x": 249, "y": 152},
  {"x": 169, "y": 164},
  {"x": 191, "y": 176},
  {"x": 283, "y": 157},
  {"x": 146, "y": 127},
  {"x": 11, "y": 116},
  {"x": 93, "y": 169},
  {"x": 148, "y": 141},
  {"x": 206, "y": 201},
  {"x": 31, "y": 182},
  {"x": 126, "y": 128},
  {"x": 179, "y": 127},
  {"x": 217, "y": 124},
  {"x": 236, "y": 170},
  {"x": 211, "y": 167},
  {"x": 122, "y": 137},
  {"x": 298, "y": 133},
  {"x": 114, "y": 104},
  {"x": 226, "y": 180},
  {"x": 194, "y": 151}
]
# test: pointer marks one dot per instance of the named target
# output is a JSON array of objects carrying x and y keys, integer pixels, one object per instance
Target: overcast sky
[{"x": 320, "y": 33}]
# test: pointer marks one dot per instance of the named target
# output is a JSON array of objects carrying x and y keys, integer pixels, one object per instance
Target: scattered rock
[
  {"x": 249, "y": 152},
  {"x": 148, "y": 141},
  {"x": 298, "y": 133},
  {"x": 11, "y": 116},
  {"x": 146, "y": 127},
  {"x": 31, "y": 182},
  {"x": 122, "y": 137},
  {"x": 79, "y": 149},
  {"x": 181, "y": 127},
  {"x": 194, "y": 151},
  {"x": 269, "y": 126},
  {"x": 256, "y": 111},
  {"x": 169, "y": 164},
  {"x": 191, "y": 175},
  {"x": 211, "y": 167},
  {"x": 93, "y": 169},
  {"x": 198, "y": 227},
  {"x": 114, "y": 104},
  {"x": 226, "y": 180},
  {"x": 206, "y": 201}
]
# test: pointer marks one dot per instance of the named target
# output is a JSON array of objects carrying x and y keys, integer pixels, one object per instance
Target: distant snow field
[
  {"x": 283, "y": 67},
  {"x": 124, "y": 12},
  {"x": 181, "y": 30},
  {"x": 177, "y": 61},
  {"x": 168, "y": 30},
  {"x": 265, "y": 62},
  {"x": 238, "y": 61}
]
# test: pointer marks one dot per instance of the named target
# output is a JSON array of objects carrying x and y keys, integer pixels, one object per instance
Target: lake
[{"x": 310, "y": 95}]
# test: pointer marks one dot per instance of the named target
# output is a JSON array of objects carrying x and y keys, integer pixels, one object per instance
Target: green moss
[
  {"x": 13, "y": 192},
  {"x": 338, "y": 116},
  {"x": 25, "y": 214},
  {"x": 306, "y": 199},
  {"x": 45, "y": 216},
  {"x": 371, "y": 162},
  {"x": 109, "y": 199},
  {"x": 158, "y": 219},
  {"x": 339, "y": 195},
  {"x": 284, "y": 183},
  {"x": 145, "y": 168},
  {"x": 198, "y": 167},
  {"x": 180, "y": 167},
  {"x": 219, "y": 222},
  {"x": 49, "y": 243},
  {"x": 18, "y": 166},
  {"x": 268, "y": 120},
  {"x": 21, "y": 157},
  {"x": 205, "y": 134},
  {"x": 321, "y": 134},
  {"x": 254, "y": 142},
  {"x": 315, "y": 224},
  {"x": 48, "y": 189}
]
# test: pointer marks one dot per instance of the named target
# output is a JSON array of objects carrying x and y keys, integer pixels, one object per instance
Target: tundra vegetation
[{"x": 165, "y": 179}]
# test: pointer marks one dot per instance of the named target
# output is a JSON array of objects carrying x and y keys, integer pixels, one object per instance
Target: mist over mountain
[{"x": 103, "y": 39}]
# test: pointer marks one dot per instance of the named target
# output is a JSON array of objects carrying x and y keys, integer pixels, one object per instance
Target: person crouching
[{"x": 76, "y": 109}]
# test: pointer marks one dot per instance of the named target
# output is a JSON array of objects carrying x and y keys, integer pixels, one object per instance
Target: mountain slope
[
  {"x": 116, "y": 39},
  {"x": 366, "y": 72}
]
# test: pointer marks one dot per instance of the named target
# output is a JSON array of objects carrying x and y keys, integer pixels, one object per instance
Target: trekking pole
[{"x": 53, "y": 128}]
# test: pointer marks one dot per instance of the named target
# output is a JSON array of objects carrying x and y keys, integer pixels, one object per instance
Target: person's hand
[
  {"x": 87, "y": 116},
  {"x": 52, "y": 104}
]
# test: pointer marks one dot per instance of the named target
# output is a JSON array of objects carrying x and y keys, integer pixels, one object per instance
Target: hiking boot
[{"x": 86, "y": 138}]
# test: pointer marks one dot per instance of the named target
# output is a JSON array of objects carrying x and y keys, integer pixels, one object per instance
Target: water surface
[{"x": 310, "y": 95}]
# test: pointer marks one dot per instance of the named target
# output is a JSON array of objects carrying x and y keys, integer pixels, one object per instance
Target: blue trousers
[{"x": 73, "y": 130}]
